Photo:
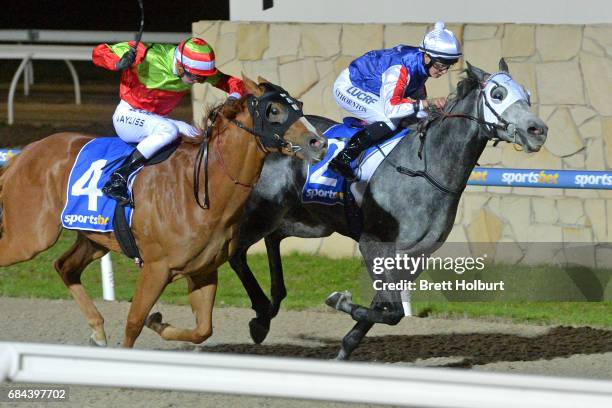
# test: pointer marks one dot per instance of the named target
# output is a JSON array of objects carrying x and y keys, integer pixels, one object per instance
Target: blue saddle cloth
[
  {"x": 324, "y": 186},
  {"x": 87, "y": 208}
]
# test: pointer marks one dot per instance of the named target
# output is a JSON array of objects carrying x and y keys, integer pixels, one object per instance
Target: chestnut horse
[{"x": 175, "y": 236}]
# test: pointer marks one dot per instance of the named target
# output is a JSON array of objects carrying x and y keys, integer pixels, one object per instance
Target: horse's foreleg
[
  {"x": 70, "y": 266},
  {"x": 153, "y": 279},
  {"x": 202, "y": 291},
  {"x": 353, "y": 338},
  {"x": 277, "y": 288},
  {"x": 391, "y": 313},
  {"x": 260, "y": 325},
  {"x": 366, "y": 318},
  {"x": 380, "y": 312}
]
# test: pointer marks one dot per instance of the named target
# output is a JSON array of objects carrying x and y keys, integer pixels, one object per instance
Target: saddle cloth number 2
[
  {"x": 87, "y": 184},
  {"x": 317, "y": 175}
]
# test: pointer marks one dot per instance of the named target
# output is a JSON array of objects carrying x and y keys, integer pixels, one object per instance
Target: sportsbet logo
[
  {"x": 7, "y": 154},
  {"x": 311, "y": 193},
  {"x": 478, "y": 176},
  {"x": 593, "y": 180},
  {"x": 532, "y": 177},
  {"x": 70, "y": 219}
]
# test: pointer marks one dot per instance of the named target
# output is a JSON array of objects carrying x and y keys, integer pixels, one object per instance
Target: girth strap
[{"x": 124, "y": 236}]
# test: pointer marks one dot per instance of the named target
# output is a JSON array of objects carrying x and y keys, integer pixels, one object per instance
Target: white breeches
[
  {"x": 362, "y": 104},
  {"x": 149, "y": 130}
]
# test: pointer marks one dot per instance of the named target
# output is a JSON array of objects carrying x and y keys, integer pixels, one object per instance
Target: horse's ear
[
  {"x": 475, "y": 72},
  {"x": 503, "y": 66},
  {"x": 250, "y": 86},
  {"x": 262, "y": 80}
]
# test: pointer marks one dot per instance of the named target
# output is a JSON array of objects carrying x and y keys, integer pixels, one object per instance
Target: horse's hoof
[
  {"x": 154, "y": 318},
  {"x": 342, "y": 356},
  {"x": 96, "y": 343},
  {"x": 258, "y": 330},
  {"x": 333, "y": 299},
  {"x": 339, "y": 300}
]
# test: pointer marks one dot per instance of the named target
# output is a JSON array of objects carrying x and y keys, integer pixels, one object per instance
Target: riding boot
[
  {"x": 360, "y": 141},
  {"x": 116, "y": 187}
]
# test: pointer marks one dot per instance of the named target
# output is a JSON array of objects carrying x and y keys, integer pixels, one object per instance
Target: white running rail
[
  {"x": 87, "y": 36},
  {"x": 29, "y": 53},
  {"x": 294, "y": 378}
]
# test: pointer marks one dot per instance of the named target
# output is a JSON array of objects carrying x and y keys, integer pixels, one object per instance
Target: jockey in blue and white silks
[
  {"x": 379, "y": 82},
  {"x": 382, "y": 87}
]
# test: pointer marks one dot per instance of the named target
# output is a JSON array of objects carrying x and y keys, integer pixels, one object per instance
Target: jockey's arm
[
  {"x": 420, "y": 94},
  {"x": 232, "y": 85},
  {"x": 394, "y": 83},
  {"x": 107, "y": 55}
]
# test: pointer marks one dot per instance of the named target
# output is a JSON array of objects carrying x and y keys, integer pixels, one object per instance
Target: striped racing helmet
[{"x": 196, "y": 57}]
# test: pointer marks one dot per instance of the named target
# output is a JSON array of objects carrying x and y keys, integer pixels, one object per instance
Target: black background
[{"x": 123, "y": 15}]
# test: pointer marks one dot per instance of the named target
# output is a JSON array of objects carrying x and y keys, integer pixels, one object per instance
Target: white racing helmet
[{"x": 441, "y": 45}]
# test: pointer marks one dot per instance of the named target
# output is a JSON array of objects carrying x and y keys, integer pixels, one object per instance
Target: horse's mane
[
  {"x": 464, "y": 87},
  {"x": 228, "y": 110}
]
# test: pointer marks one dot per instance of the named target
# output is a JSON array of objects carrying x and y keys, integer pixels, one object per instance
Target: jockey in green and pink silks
[{"x": 154, "y": 80}]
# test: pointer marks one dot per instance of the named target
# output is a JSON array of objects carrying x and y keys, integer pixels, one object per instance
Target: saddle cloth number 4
[{"x": 87, "y": 184}]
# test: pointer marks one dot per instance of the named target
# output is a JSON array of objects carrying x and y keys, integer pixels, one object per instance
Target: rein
[
  {"x": 257, "y": 136},
  {"x": 441, "y": 115},
  {"x": 202, "y": 155},
  {"x": 422, "y": 132},
  {"x": 225, "y": 169}
]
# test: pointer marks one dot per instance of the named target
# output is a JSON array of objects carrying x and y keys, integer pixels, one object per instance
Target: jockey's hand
[
  {"x": 436, "y": 103},
  {"x": 126, "y": 60}
]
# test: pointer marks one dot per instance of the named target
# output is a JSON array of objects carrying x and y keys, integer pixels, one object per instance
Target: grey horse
[{"x": 409, "y": 206}]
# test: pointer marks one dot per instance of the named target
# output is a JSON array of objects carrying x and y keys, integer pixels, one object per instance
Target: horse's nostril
[
  {"x": 315, "y": 143},
  {"x": 535, "y": 130}
]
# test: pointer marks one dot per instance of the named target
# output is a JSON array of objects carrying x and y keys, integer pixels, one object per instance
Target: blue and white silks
[{"x": 323, "y": 186}]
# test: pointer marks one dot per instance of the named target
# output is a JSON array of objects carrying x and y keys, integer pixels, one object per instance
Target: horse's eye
[
  {"x": 275, "y": 113},
  {"x": 498, "y": 93}
]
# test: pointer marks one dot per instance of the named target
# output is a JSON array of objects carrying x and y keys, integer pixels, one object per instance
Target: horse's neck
[
  {"x": 239, "y": 154},
  {"x": 454, "y": 145}
]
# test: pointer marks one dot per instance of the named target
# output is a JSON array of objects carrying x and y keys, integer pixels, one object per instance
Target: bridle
[
  {"x": 491, "y": 129},
  {"x": 269, "y": 135}
]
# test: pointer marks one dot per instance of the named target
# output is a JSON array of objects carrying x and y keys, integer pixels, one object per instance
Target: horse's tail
[{"x": 2, "y": 177}]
